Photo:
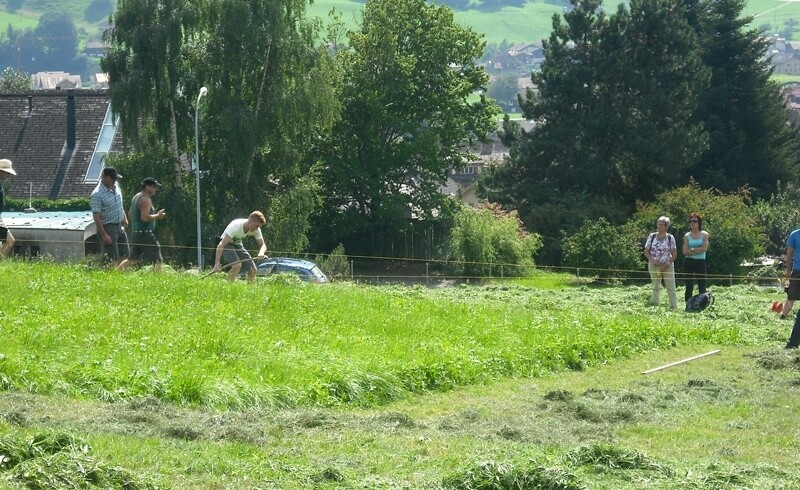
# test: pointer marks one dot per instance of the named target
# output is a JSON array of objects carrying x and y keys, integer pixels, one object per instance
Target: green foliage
[
  {"x": 43, "y": 204},
  {"x": 335, "y": 265},
  {"x": 483, "y": 240},
  {"x": 613, "y": 106},
  {"x": 407, "y": 77},
  {"x": 778, "y": 216},
  {"x": 289, "y": 213},
  {"x": 504, "y": 90},
  {"x": 741, "y": 109},
  {"x": 603, "y": 249},
  {"x": 13, "y": 81},
  {"x": 734, "y": 236}
]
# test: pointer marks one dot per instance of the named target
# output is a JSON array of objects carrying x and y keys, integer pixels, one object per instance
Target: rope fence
[{"x": 386, "y": 269}]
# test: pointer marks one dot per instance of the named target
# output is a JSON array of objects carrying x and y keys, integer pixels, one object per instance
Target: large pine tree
[{"x": 742, "y": 110}]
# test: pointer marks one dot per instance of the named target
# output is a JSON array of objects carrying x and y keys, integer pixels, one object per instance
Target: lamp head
[{"x": 203, "y": 91}]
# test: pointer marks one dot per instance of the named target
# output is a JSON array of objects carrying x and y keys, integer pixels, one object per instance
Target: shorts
[
  {"x": 119, "y": 242},
  {"x": 233, "y": 253},
  {"x": 145, "y": 247},
  {"x": 3, "y": 233},
  {"x": 794, "y": 286}
]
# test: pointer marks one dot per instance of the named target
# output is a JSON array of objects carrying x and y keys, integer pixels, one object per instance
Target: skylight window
[{"x": 101, "y": 148}]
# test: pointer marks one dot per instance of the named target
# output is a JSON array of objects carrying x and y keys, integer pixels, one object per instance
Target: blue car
[{"x": 304, "y": 269}]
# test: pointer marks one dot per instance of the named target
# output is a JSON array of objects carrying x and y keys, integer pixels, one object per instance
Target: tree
[
  {"x": 14, "y": 82},
  {"x": 271, "y": 100},
  {"x": 613, "y": 108},
  {"x": 407, "y": 115},
  {"x": 59, "y": 36},
  {"x": 270, "y": 97},
  {"x": 504, "y": 90},
  {"x": 742, "y": 110},
  {"x": 145, "y": 67}
]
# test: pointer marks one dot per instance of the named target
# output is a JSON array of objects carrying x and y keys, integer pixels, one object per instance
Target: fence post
[
  {"x": 352, "y": 273},
  {"x": 502, "y": 275},
  {"x": 427, "y": 280},
  {"x": 578, "y": 272},
  {"x": 490, "y": 270},
  {"x": 730, "y": 280}
]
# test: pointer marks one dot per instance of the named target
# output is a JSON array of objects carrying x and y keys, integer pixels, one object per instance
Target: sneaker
[
  {"x": 784, "y": 317},
  {"x": 790, "y": 346}
]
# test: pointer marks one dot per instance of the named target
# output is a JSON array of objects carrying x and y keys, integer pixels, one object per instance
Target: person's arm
[
  {"x": 220, "y": 247},
  {"x": 144, "y": 211},
  {"x": 704, "y": 246},
  {"x": 647, "y": 246},
  {"x": 673, "y": 251},
  {"x": 262, "y": 252},
  {"x": 789, "y": 260},
  {"x": 687, "y": 251},
  {"x": 98, "y": 222}
]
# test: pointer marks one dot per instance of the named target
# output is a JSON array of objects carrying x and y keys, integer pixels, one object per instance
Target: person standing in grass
[
  {"x": 6, "y": 171},
  {"x": 143, "y": 217},
  {"x": 793, "y": 277},
  {"x": 695, "y": 244},
  {"x": 661, "y": 252},
  {"x": 230, "y": 245},
  {"x": 109, "y": 215}
]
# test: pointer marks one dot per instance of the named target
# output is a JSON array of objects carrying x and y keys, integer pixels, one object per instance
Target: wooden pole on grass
[{"x": 682, "y": 361}]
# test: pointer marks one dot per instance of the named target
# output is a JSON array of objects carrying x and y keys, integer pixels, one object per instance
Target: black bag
[{"x": 699, "y": 302}]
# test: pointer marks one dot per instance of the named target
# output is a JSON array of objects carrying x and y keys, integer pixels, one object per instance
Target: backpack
[{"x": 699, "y": 302}]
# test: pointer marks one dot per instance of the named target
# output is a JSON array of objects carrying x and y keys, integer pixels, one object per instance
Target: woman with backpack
[
  {"x": 695, "y": 244},
  {"x": 661, "y": 252}
]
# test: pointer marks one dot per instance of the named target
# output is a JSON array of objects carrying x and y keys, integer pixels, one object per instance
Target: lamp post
[{"x": 203, "y": 91}]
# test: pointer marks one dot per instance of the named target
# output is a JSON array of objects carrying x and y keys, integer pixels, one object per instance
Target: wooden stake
[{"x": 682, "y": 361}]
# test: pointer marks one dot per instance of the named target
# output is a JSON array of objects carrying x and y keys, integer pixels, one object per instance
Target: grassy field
[{"x": 142, "y": 381}]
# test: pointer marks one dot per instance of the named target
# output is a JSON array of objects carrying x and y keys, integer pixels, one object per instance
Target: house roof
[
  {"x": 33, "y": 135},
  {"x": 49, "y": 220}
]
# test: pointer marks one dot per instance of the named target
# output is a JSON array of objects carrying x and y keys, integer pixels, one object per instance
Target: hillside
[{"x": 528, "y": 23}]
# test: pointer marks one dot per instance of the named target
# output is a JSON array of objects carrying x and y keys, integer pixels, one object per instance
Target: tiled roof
[{"x": 33, "y": 135}]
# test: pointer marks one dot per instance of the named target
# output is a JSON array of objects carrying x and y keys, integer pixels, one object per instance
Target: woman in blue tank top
[{"x": 695, "y": 244}]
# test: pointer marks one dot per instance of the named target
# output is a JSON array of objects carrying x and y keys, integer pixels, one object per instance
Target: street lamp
[{"x": 203, "y": 91}]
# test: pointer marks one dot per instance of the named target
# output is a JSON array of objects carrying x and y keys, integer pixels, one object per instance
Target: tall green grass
[{"x": 188, "y": 340}]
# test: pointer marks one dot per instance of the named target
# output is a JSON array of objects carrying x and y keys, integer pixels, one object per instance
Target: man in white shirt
[{"x": 230, "y": 245}]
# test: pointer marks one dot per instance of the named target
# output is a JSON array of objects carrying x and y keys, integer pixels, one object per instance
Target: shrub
[
  {"x": 734, "y": 236},
  {"x": 481, "y": 240},
  {"x": 564, "y": 214},
  {"x": 778, "y": 216},
  {"x": 335, "y": 265},
  {"x": 603, "y": 249}
]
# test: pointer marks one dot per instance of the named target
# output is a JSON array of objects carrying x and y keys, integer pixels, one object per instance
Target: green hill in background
[
  {"x": 528, "y": 23},
  {"x": 516, "y": 25}
]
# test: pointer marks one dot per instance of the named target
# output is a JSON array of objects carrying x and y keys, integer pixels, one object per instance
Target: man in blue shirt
[
  {"x": 109, "y": 215},
  {"x": 793, "y": 276}
]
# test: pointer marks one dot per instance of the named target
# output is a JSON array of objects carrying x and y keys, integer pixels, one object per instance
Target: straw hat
[{"x": 5, "y": 166}]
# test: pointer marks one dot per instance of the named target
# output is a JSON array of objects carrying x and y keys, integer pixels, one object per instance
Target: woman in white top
[{"x": 661, "y": 253}]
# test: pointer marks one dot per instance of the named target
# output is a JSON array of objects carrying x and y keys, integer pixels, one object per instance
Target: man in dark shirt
[{"x": 6, "y": 170}]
